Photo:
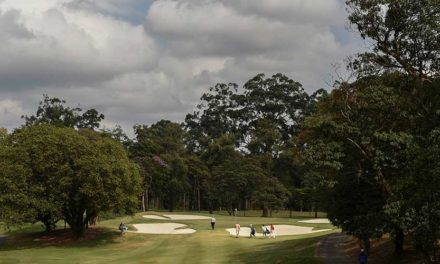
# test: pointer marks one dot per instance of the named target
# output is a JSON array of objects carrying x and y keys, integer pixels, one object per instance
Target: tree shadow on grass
[
  {"x": 301, "y": 251},
  {"x": 92, "y": 237}
]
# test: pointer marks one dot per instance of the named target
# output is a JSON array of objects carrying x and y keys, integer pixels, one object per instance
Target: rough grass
[{"x": 103, "y": 244}]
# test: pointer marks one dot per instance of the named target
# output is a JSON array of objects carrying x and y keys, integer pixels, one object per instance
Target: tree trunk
[
  {"x": 143, "y": 202},
  {"x": 265, "y": 212},
  {"x": 398, "y": 241},
  {"x": 184, "y": 201},
  {"x": 77, "y": 220},
  {"x": 147, "y": 205},
  {"x": 316, "y": 212},
  {"x": 198, "y": 199}
]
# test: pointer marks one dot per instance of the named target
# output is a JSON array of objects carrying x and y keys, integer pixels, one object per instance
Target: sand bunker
[
  {"x": 155, "y": 217},
  {"x": 163, "y": 228},
  {"x": 316, "y": 221},
  {"x": 187, "y": 217},
  {"x": 280, "y": 230},
  {"x": 177, "y": 217}
]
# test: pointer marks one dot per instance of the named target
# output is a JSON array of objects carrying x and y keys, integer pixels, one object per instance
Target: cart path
[{"x": 330, "y": 249}]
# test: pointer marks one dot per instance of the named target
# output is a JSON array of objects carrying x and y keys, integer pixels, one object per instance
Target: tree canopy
[
  {"x": 52, "y": 111},
  {"x": 50, "y": 173}
]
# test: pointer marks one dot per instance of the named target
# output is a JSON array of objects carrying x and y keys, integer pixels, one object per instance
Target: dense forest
[{"x": 366, "y": 152}]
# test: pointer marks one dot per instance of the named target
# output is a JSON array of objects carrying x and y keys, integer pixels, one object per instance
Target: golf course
[
  {"x": 214, "y": 131},
  {"x": 103, "y": 243}
]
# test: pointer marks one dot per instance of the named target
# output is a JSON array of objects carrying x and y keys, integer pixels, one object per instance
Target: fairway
[{"x": 203, "y": 246}]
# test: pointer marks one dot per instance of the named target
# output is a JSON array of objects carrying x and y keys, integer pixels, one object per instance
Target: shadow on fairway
[
  {"x": 301, "y": 251},
  {"x": 92, "y": 237}
]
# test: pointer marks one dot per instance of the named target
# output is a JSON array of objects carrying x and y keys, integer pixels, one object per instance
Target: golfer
[
  {"x": 237, "y": 229},
  {"x": 253, "y": 231},
  {"x": 272, "y": 230},
  {"x": 213, "y": 223}
]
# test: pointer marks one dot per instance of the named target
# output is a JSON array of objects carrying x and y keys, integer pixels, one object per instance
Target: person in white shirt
[{"x": 212, "y": 223}]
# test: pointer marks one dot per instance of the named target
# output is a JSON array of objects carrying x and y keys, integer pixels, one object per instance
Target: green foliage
[
  {"x": 51, "y": 173},
  {"x": 278, "y": 100},
  {"x": 118, "y": 134},
  {"x": 356, "y": 141},
  {"x": 215, "y": 116},
  {"x": 262, "y": 119},
  {"x": 405, "y": 35},
  {"x": 3, "y": 133},
  {"x": 270, "y": 194},
  {"x": 416, "y": 204},
  {"x": 257, "y": 123},
  {"x": 52, "y": 111},
  {"x": 159, "y": 150},
  {"x": 160, "y": 138}
]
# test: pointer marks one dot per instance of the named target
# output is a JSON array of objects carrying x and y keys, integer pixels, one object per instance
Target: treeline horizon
[{"x": 174, "y": 156}]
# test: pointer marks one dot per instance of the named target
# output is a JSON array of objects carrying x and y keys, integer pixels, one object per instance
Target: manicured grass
[{"x": 105, "y": 245}]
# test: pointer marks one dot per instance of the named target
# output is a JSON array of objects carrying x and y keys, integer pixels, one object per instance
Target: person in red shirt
[{"x": 272, "y": 230}]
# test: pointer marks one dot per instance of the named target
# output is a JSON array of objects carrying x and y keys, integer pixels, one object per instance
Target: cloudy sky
[{"x": 139, "y": 61}]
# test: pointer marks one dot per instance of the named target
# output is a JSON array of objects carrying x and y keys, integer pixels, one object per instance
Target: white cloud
[
  {"x": 60, "y": 47},
  {"x": 93, "y": 53},
  {"x": 10, "y": 111}
]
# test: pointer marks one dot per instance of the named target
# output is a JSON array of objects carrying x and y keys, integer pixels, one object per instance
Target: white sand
[
  {"x": 316, "y": 221},
  {"x": 176, "y": 217},
  {"x": 155, "y": 217},
  {"x": 187, "y": 217},
  {"x": 163, "y": 228},
  {"x": 280, "y": 230}
]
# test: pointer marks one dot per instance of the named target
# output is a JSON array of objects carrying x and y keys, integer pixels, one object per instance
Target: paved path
[{"x": 330, "y": 250}]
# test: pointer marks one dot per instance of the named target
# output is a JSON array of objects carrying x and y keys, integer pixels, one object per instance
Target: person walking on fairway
[
  {"x": 212, "y": 223},
  {"x": 272, "y": 230},
  {"x": 265, "y": 230},
  {"x": 237, "y": 229},
  {"x": 362, "y": 257},
  {"x": 253, "y": 231}
]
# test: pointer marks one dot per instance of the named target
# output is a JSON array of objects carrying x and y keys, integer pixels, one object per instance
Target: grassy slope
[{"x": 204, "y": 246}]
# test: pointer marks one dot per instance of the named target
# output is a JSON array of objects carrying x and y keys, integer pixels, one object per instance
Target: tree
[
  {"x": 3, "y": 133},
  {"x": 118, "y": 134},
  {"x": 160, "y": 151},
  {"x": 356, "y": 140},
  {"x": 215, "y": 116},
  {"x": 90, "y": 119},
  {"x": 265, "y": 139},
  {"x": 270, "y": 194},
  {"x": 198, "y": 175},
  {"x": 234, "y": 181},
  {"x": 416, "y": 203},
  {"x": 52, "y": 111},
  {"x": 404, "y": 33},
  {"x": 276, "y": 104},
  {"x": 50, "y": 173},
  {"x": 277, "y": 100}
]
